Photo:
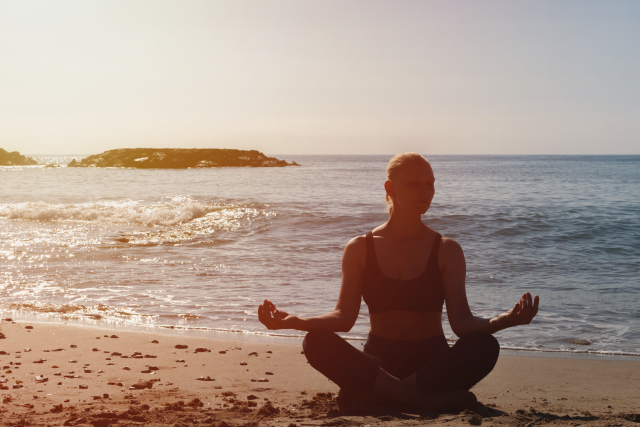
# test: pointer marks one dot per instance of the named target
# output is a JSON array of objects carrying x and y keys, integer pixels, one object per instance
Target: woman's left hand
[{"x": 523, "y": 311}]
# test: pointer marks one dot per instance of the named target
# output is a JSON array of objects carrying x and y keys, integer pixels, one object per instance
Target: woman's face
[{"x": 413, "y": 188}]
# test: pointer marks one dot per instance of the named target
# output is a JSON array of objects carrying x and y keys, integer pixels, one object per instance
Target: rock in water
[
  {"x": 179, "y": 158},
  {"x": 15, "y": 159}
]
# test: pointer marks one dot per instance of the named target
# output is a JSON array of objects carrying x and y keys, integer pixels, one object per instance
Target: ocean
[{"x": 199, "y": 249}]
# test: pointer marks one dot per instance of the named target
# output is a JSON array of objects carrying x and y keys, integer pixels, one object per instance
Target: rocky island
[
  {"x": 178, "y": 158},
  {"x": 15, "y": 159}
]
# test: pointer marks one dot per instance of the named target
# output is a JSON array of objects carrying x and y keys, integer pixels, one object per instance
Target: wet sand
[{"x": 58, "y": 374}]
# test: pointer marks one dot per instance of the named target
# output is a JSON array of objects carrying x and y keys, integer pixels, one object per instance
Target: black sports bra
[{"x": 423, "y": 294}]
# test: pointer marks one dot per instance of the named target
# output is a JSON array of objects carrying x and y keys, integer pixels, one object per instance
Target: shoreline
[
  {"x": 252, "y": 337},
  {"x": 89, "y": 371}
]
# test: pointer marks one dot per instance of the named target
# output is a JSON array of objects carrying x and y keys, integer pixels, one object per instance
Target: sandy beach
[{"x": 64, "y": 374}]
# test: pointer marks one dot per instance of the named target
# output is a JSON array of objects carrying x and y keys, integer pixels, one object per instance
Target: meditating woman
[{"x": 405, "y": 272}]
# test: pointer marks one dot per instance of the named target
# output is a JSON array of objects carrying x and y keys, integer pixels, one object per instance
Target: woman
[{"x": 405, "y": 271}]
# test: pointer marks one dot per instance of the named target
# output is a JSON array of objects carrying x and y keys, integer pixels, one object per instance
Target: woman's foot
[{"x": 405, "y": 392}]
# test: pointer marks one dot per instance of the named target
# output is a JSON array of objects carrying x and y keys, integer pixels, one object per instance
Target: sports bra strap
[
  {"x": 435, "y": 250},
  {"x": 371, "y": 250}
]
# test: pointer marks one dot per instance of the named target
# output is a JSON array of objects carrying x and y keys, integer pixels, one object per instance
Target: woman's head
[{"x": 409, "y": 182}]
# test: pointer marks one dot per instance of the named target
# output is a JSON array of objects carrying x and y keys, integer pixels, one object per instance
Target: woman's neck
[{"x": 405, "y": 226}]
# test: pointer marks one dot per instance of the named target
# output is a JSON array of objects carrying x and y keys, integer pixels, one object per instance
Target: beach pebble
[
  {"x": 252, "y": 397},
  {"x": 28, "y": 327},
  {"x": 39, "y": 361},
  {"x": 105, "y": 395},
  {"x": 73, "y": 361},
  {"x": 54, "y": 367},
  {"x": 263, "y": 380},
  {"x": 15, "y": 386},
  {"x": 142, "y": 385},
  {"x": 73, "y": 346},
  {"x": 8, "y": 319},
  {"x": 58, "y": 349},
  {"x": 126, "y": 368},
  {"x": 268, "y": 373},
  {"x": 149, "y": 356},
  {"x": 60, "y": 383},
  {"x": 57, "y": 374},
  {"x": 269, "y": 351},
  {"x": 3, "y": 352},
  {"x": 243, "y": 363},
  {"x": 110, "y": 364},
  {"x": 223, "y": 352},
  {"x": 181, "y": 346},
  {"x": 83, "y": 386},
  {"x": 253, "y": 353},
  {"x": 180, "y": 361},
  {"x": 236, "y": 348},
  {"x": 114, "y": 336},
  {"x": 155, "y": 342},
  {"x": 41, "y": 379},
  {"x": 208, "y": 378},
  {"x": 115, "y": 353},
  {"x": 202, "y": 350},
  {"x": 94, "y": 349},
  {"x": 87, "y": 371},
  {"x": 26, "y": 350}
]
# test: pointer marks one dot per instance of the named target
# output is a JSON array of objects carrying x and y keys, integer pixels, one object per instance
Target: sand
[{"x": 68, "y": 374}]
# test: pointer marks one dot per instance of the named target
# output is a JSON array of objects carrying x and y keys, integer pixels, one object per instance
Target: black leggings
[{"x": 438, "y": 366}]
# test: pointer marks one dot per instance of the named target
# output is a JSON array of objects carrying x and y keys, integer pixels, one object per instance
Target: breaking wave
[{"x": 165, "y": 213}]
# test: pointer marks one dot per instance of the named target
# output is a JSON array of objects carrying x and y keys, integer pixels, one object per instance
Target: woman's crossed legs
[{"x": 426, "y": 373}]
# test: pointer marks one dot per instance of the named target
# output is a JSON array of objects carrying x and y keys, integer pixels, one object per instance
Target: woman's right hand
[{"x": 273, "y": 318}]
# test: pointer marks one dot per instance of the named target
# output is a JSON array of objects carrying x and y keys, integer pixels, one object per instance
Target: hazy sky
[{"x": 321, "y": 77}]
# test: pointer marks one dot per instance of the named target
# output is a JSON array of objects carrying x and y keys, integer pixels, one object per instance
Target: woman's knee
[
  {"x": 316, "y": 342},
  {"x": 484, "y": 345}
]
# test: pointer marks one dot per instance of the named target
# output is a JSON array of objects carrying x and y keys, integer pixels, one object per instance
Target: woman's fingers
[
  {"x": 264, "y": 315},
  {"x": 534, "y": 310}
]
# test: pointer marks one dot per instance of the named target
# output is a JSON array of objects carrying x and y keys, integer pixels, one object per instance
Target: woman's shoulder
[
  {"x": 449, "y": 251},
  {"x": 355, "y": 251},
  {"x": 357, "y": 244}
]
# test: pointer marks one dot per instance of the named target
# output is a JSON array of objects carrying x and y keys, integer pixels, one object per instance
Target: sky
[{"x": 321, "y": 77}]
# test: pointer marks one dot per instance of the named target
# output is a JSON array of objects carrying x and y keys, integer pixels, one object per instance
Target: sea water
[{"x": 201, "y": 248}]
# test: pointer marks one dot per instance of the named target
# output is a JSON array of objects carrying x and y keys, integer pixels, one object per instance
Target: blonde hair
[{"x": 396, "y": 165}]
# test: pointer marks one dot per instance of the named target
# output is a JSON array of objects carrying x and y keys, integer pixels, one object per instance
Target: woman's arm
[
  {"x": 462, "y": 321},
  {"x": 344, "y": 316}
]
